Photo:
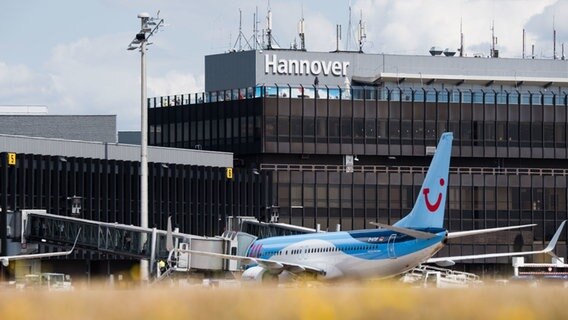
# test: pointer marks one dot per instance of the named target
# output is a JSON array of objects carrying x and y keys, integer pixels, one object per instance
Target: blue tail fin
[{"x": 429, "y": 208}]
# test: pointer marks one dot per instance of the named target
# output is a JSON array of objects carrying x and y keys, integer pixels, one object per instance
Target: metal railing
[
  {"x": 415, "y": 169},
  {"x": 401, "y": 93}
]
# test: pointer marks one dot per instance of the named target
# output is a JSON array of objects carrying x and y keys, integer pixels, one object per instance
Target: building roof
[
  {"x": 100, "y": 128},
  {"x": 112, "y": 151},
  {"x": 457, "y": 80}
]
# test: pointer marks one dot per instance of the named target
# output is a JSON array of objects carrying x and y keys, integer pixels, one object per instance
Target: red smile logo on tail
[{"x": 433, "y": 207}]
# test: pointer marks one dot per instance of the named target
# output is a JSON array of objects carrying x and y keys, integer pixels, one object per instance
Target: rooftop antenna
[
  {"x": 494, "y": 53},
  {"x": 255, "y": 28},
  {"x": 301, "y": 32},
  {"x": 269, "y": 28},
  {"x": 348, "y": 40},
  {"x": 239, "y": 38},
  {"x": 269, "y": 36},
  {"x": 254, "y": 39},
  {"x": 337, "y": 37},
  {"x": 241, "y": 34},
  {"x": 361, "y": 35},
  {"x": 461, "y": 38},
  {"x": 524, "y": 35},
  {"x": 553, "y": 39}
]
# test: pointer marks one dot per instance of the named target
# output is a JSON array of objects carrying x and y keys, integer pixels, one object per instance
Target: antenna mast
[
  {"x": 240, "y": 29},
  {"x": 553, "y": 39},
  {"x": 347, "y": 44},
  {"x": 494, "y": 53},
  {"x": 269, "y": 29},
  {"x": 524, "y": 34},
  {"x": 241, "y": 34},
  {"x": 301, "y": 32},
  {"x": 337, "y": 37},
  {"x": 361, "y": 34},
  {"x": 461, "y": 38},
  {"x": 255, "y": 30}
]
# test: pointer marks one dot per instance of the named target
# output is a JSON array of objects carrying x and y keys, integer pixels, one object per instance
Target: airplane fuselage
[{"x": 374, "y": 253}]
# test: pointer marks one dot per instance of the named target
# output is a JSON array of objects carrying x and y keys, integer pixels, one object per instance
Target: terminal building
[
  {"x": 45, "y": 167},
  {"x": 345, "y": 138}
]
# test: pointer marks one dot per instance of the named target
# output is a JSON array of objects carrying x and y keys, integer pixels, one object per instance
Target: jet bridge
[{"x": 32, "y": 226}]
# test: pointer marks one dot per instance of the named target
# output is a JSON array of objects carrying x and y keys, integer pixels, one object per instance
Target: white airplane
[
  {"x": 5, "y": 260},
  {"x": 376, "y": 253}
]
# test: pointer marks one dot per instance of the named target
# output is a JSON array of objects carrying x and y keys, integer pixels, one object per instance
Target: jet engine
[{"x": 259, "y": 274}]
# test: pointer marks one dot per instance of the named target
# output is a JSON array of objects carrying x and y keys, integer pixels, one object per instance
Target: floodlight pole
[
  {"x": 141, "y": 39},
  {"x": 144, "y": 274}
]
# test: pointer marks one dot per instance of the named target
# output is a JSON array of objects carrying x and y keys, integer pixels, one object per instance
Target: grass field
[{"x": 382, "y": 300}]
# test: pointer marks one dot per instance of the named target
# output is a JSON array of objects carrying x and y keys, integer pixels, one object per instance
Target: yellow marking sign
[{"x": 11, "y": 159}]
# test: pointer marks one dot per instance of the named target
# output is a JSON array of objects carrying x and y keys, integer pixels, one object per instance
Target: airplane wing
[
  {"x": 448, "y": 261},
  {"x": 5, "y": 260},
  {"x": 458, "y": 234},
  {"x": 410, "y": 232},
  {"x": 272, "y": 265}
]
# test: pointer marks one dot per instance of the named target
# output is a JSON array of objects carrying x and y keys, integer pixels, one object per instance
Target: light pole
[{"x": 148, "y": 27}]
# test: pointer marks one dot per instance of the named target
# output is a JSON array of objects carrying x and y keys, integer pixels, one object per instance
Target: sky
[{"x": 71, "y": 55}]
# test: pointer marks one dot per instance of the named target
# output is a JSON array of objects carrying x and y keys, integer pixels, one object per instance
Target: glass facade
[
  {"x": 508, "y": 164},
  {"x": 198, "y": 198}
]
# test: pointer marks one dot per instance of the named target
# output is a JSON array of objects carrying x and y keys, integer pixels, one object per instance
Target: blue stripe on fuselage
[{"x": 368, "y": 244}]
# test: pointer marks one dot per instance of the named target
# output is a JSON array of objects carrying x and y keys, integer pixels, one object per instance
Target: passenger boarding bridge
[
  {"x": 34, "y": 226},
  {"x": 29, "y": 226}
]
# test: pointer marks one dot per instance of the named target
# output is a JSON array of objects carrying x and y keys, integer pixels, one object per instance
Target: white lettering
[
  {"x": 326, "y": 67},
  {"x": 315, "y": 67},
  {"x": 336, "y": 68},
  {"x": 344, "y": 69},
  {"x": 304, "y": 66},
  {"x": 294, "y": 67},
  {"x": 282, "y": 67},
  {"x": 268, "y": 64},
  {"x": 274, "y": 65}
]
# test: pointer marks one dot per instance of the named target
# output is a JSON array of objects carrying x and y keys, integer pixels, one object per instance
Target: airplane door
[{"x": 390, "y": 246}]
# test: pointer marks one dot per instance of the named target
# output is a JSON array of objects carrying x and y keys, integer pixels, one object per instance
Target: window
[
  {"x": 309, "y": 129},
  {"x": 295, "y": 126},
  {"x": 270, "y": 127},
  {"x": 359, "y": 128},
  {"x": 346, "y": 129},
  {"x": 283, "y": 127}
]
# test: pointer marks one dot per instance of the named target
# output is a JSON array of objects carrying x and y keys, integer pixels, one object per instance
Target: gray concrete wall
[{"x": 230, "y": 71}]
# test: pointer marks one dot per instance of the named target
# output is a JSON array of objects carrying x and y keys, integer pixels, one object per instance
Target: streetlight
[{"x": 148, "y": 27}]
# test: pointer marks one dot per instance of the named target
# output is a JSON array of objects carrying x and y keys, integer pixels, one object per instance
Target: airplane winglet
[
  {"x": 554, "y": 239},
  {"x": 410, "y": 232},
  {"x": 548, "y": 250}
]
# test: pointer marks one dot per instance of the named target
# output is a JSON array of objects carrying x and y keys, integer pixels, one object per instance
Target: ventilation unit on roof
[
  {"x": 435, "y": 51},
  {"x": 449, "y": 53}
]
